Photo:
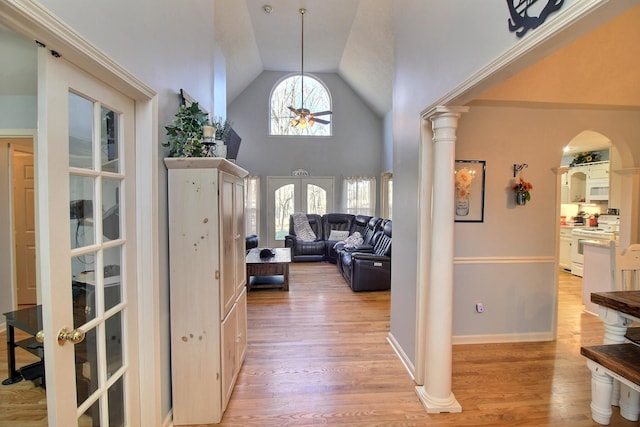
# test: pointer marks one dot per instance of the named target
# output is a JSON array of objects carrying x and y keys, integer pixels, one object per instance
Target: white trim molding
[
  {"x": 406, "y": 362},
  {"x": 505, "y": 260},
  {"x": 503, "y": 338}
]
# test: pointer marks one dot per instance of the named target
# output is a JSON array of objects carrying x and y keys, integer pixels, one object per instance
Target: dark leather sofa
[{"x": 366, "y": 267}]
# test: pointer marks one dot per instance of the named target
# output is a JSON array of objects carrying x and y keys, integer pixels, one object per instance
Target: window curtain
[
  {"x": 359, "y": 195},
  {"x": 252, "y": 205}
]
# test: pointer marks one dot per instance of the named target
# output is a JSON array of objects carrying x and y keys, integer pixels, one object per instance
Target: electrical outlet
[{"x": 479, "y": 307}]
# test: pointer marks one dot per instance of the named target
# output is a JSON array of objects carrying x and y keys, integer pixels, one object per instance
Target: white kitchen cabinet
[
  {"x": 564, "y": 188},
  {"x": 208, "y": 299},
  {"x": 599, "y": 170},
  {"x": 587, "y": 182},
  {"x": 577, "y": 184},
  {"x": 564, "y": 252}
]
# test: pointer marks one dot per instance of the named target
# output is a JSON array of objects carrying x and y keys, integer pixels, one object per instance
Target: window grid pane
[
  {"x": 287, "y": 94},
  {"x": 359, "y": 195}
]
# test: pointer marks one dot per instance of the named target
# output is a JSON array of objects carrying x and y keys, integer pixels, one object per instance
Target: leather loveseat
[{"x": 329, "y": 230}]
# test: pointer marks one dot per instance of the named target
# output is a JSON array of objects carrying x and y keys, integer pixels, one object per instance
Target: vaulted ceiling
[{"x": 352, "y": 38}]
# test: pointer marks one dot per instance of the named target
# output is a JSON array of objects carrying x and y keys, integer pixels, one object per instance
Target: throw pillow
[
  {"x": 338, "y": 235},
  {"x": 354, "y": 240},
  {"x": 302, "y": 228}
]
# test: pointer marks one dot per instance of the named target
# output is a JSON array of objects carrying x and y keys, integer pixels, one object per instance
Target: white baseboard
[
  {"x": 3, "y": 326},
  {"x": 408, "y": 365},
  {"x": 503, "y": 338},
  {"x": 168, "y": 421}
]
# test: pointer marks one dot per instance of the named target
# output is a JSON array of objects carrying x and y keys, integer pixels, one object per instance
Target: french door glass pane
[
  {"x": 109, "y": 140},
  {"x": 84, "y": 302},
  {"x": 284, "y": 199},
  {"x": 111, "y": 206},
  {"x": 113, "y": 343},
  {"x": 316, "y": 200},
  {"x": 112, "y": 279},
  {"x": 86, "y": 366},
  {"x": 91, "y": 417},
  {"x": 80, "y": 132},
  {"x": 116, "y": 403},
  {"x": 81, "y": 211}
]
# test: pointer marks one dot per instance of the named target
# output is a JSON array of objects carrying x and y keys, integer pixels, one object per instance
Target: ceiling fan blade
[
  {"x": 294, "y": 110},
  {"x": 321, "y": 113},
  {"x": 324, "y": 122}
]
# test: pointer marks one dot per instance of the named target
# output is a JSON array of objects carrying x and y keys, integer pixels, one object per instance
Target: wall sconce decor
[
  {"x": 517, "y": 168},
  {"x": 520, "y": 187}
]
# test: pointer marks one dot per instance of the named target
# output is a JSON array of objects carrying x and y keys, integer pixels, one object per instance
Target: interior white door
[
  {"x": 85, "y": 180},
  {"x": 23, "y": 213},
  {"x": 289, "y": 194}
]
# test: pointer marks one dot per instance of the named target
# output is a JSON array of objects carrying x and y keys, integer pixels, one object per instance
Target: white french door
[
  {"x": 86, "y": 247},
  {"x": 286, "y": 195}
]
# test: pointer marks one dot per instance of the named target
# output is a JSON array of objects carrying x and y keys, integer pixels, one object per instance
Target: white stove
[{"x": 608, "y": 226}]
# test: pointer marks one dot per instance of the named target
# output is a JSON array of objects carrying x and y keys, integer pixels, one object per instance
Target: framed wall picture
[{"x": 469, "y": 190}]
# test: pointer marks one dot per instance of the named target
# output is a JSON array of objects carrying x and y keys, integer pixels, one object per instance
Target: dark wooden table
[
  {"x": 268, "y": 272},
  {"x": 617, "y": 310},
  {"x": 30, "y": 321},
  {"x": 627, "y": 303}
]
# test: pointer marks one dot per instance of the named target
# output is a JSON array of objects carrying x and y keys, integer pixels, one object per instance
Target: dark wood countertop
[{"x": 627, "y": 302}]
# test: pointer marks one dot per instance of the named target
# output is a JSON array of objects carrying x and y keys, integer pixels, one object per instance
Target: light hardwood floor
[{"x": 318, "y": 355}]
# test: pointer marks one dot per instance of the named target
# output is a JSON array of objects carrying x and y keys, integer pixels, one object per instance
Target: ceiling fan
[{"x": 303, "y": 116}]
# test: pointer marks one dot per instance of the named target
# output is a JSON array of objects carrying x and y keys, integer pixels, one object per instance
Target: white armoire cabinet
[{"x": 208, "y": 298}]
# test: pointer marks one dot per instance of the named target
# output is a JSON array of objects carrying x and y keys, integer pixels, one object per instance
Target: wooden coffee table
[{"x": 268, "y": 272}]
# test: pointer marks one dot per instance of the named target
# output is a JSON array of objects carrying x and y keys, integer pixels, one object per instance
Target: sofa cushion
[
  {"x": 302, "y": 228},
  {"x": 338, "y": 234},
  {"x": 354, "y": 240}
]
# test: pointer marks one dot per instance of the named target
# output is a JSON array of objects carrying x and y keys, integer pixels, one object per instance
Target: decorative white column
[{"x": 436, "y": 394}]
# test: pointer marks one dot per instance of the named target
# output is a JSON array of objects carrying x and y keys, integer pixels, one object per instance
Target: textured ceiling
[{"x": 352, "y": 38}]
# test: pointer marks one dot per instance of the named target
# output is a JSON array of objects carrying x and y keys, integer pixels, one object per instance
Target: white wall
[
  {"x": 438, "y": 44},
  {"x": 355, "y": 148},
  {"x": 387, "y": 157}
]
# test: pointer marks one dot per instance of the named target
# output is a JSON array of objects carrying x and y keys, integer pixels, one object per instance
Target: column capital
[
  {"x": 444, "y": 122},
  {"x": 444, "y": 111}
]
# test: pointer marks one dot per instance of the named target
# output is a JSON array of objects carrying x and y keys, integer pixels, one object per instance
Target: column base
[{"x": 435, "y": 405}]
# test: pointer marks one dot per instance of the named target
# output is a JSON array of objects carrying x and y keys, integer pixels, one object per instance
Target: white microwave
[{"x": 597, "y": 189}]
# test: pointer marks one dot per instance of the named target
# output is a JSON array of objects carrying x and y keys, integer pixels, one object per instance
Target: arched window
[{"x": 287, "y": 93}]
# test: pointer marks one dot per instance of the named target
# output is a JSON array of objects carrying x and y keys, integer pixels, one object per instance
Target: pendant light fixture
[{"x": 304, "y": 117}]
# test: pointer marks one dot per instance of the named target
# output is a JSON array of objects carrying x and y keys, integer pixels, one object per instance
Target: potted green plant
[
  {"x": 223, "y": 127},
  {"x": 184, "y": 135}
]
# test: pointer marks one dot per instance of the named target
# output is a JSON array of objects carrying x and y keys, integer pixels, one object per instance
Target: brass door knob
[
  {"x": 40, "y": 336},
  {"x": 74, "y": 336}
]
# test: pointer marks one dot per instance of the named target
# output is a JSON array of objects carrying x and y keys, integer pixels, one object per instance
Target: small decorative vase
[
  {"x": 520, "y": 198},
  {"x": 462, "y": 206}
]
